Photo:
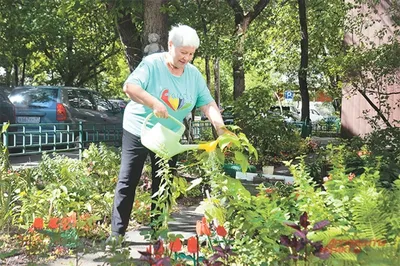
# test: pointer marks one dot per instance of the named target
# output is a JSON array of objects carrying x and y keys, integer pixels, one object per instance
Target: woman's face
[{"x": 181, "y": 55}]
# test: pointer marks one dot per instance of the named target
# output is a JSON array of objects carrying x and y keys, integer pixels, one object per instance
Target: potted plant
[{"x": 268, "y": 163}]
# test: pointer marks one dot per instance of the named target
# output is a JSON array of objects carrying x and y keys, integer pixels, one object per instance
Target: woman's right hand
[{"x": 159, "y": 109}]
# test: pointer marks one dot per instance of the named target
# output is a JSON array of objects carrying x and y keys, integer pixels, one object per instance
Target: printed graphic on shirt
[{"x": 175, "y": 103}]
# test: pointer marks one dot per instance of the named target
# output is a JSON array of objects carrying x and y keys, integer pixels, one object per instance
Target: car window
[
  {"x": 73, "y": 98},
  {"x": 86, "y": 100},
  {"x": 102, "y": 103},
  {"x": 315, "y": 112},
  {"x": 34, "y": 97}
]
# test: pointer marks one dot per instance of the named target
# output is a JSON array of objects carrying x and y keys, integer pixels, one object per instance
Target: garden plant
[{"x": 349, "y": 216}]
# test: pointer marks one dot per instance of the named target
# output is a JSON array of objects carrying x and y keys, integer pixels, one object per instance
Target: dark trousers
[{"x": 133, "y": 157}]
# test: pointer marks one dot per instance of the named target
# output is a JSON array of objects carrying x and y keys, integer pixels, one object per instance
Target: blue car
[
  {"x": 58, "y": 106},
  {"x": 7, "y": 112}
]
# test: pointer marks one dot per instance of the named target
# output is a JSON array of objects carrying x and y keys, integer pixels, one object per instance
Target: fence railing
[
  {"x": 27, "y": 139},
  {"x": 24, "y": 139}
]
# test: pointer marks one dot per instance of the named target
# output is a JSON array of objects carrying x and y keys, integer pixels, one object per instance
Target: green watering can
[{"x": 166, "y": 143}]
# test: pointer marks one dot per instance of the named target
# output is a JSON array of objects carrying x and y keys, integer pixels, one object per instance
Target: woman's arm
[
  {"x": 139, "y": 95},
  {"x": 213, "y": 114}
]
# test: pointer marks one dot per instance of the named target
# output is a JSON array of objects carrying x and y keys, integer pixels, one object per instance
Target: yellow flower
[{"x": 209, "y": 146}]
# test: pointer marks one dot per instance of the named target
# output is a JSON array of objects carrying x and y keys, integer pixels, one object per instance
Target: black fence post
[{"x": 80, "y": 140}]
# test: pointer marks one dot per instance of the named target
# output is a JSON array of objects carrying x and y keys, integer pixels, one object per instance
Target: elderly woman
[{"x": 166, "y": 84}]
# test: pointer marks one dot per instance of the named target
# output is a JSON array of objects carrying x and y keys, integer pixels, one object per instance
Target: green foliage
[{"x": 274, "y": 140}]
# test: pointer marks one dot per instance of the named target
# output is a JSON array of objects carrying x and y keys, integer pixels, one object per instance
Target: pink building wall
[{"x": 354, "y": 105}]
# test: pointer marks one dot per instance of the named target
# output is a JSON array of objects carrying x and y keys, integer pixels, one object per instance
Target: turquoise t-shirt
[{"x": 179, "y": 93}]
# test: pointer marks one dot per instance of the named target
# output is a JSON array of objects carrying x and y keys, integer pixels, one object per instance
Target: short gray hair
[{"x": 182, "y": 35}]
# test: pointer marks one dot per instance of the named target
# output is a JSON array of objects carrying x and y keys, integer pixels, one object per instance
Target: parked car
[
  {"x": 288, "y": 113},
  {"x": 226, "y": 113},
  {"x": 7, "y": 109},
  {"x": 315, "y": 116},
  {"x": 7, "y": 112},
  {"x": 60, "y": 105},
  {"x": 121, "y": 104}
]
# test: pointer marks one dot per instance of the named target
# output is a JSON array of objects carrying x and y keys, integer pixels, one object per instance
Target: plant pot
[
  {"x": 268, "y": 169},
  {"x": 245, "y": 176},
  {"x": 231, "y": 169}
]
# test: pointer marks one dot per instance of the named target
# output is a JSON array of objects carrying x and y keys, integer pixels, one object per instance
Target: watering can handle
[{"x": 146, "y": 120}]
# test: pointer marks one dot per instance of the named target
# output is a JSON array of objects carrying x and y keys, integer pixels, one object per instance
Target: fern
[
  {"x": 340, "y": 258},
  {"x": 369, "y": 218},
  {"x": 381, "y": 254}
]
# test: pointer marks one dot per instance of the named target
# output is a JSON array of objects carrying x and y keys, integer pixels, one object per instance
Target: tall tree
[
  {"x": 305, "y": 107},
  {"x": 155, "y": 21},
  {"x": 243, "y": 18},
  {"x": 128, "y": 17}
]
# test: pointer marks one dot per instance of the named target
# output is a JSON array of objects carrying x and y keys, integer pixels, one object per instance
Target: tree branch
[{"x": 257, "y": 9}]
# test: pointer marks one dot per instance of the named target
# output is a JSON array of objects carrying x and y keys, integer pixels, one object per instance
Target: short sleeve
[
  {"x": 140, "y": 76},
  {"x": 203, "y": 93}
]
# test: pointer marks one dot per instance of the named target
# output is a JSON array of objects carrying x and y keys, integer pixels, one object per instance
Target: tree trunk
[
  {"x": 217, "y": 82},
  {"x": 242, "y": 22},
  {"x": 22, "y": 80},
  {"x": 128, "y": 32},
  {"x": 208, "y": 71},
  {"x": 302, "y": 74},
  {"x": 69, "y": 76},
  {"x": 155, "y": 22},
  {"x": 130, "y": 39},
  {"x": 15, "y": 74},
  {"x": 8, "y": 80},
  {"x": 238, "y": 65}
]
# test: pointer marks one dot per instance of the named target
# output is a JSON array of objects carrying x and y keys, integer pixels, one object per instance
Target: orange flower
[
  {"x": 72, "y": 219},
  {"x": 198, "y": 228},
  {"x": 38, "y": 223},
  {"x": 351, "y": 176},
  {"x": 65, "y": 223},
  {"x": 176, "y": 245},
  {"x": 202, "y": 227},
  {"x": 269, "y": 190},
  {"x": 221, "y": 231},
  {"x": 53, "y": 223},
  {"x": 192, "y": 245}
]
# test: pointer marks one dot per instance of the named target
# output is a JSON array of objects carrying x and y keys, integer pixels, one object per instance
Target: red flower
[
  {"x": 192, "y": 245},
  {"x": 149, "y": 249},
  {"x": 221, "y": 231},
  {"x": 176, "y": 245},
  {"x": 38, "y": 223},
  {"x": 158, "y": 249},
  {"x": 53, "y": 223}
]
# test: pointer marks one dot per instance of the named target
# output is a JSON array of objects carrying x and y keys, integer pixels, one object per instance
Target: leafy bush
[{"x": 275, "y": 140}]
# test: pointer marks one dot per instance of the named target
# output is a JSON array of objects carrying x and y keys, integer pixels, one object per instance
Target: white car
[{"x": 315, "y": 117}]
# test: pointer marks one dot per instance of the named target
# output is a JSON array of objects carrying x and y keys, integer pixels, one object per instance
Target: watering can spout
[{"x": 166, "y": 143}]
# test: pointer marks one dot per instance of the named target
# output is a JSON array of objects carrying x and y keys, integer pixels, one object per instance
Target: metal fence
[
  {"x": 24, "y": 139},
  {"x": 27, "y": 139}
]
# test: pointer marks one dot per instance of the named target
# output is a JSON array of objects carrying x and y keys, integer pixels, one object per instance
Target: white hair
[{"x": 182, "y": 35}]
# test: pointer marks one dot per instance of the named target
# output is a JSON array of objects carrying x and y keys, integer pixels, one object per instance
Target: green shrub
[{"x": 275, "y": 140}]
